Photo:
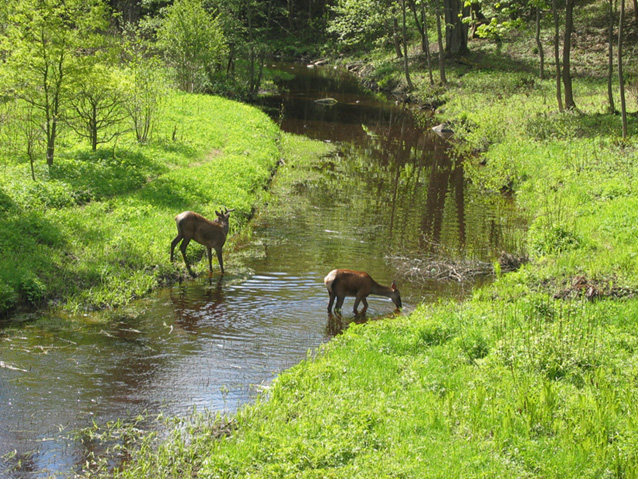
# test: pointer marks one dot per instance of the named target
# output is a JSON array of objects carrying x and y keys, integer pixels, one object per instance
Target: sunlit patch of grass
[{"x": 94, "y": 230}]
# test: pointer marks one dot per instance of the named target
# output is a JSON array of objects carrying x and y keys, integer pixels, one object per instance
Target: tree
[
  {"x": 539, "y": 5},
  {"x": 406, "y": 68},
  {"x": 145, "y": 86},
  {"x": 567, "y": 47},
  {"x": 621, "y": 78},
  {"x": 193, "y": 42},
  {"x": 422, "y": 27},
  {"x": 44, "y": 45},
  {"x": 456, "y": 30},
  {"x": 559, "y": 95},
  {"x": 610, "y": 56},
  {"x": 257, "y": 46},
  {"x": 360, "y": 22},
  {"x": 439, "y": 34},
  {"x": 97, "y": 106},
  {"x": 32, "y": 134}
]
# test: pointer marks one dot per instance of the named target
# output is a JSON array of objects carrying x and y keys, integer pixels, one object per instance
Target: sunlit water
[{"x": 389, "y": 190}]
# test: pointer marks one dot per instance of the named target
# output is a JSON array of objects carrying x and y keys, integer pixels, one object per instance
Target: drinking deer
[
  {"x": 344, "y": 282},
  {"x": 211, "y": 234}
]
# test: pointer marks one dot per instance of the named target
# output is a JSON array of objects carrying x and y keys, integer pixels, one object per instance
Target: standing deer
[
  {"x": 211, "y": 234},
  {"x": 344, "y": 282}
]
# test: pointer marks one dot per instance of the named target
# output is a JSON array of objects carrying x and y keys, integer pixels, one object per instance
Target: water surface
[{"x": 389, "y": 190}]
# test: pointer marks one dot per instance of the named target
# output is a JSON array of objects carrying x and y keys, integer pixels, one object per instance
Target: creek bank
[
  {"x": 517, "y": 381},
  {"x": 124, "y": 201}
]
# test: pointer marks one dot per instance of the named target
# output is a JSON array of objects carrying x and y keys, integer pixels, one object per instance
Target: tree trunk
[
  {"x": 428, "y": 55},
  {"x": 422, "y": 26},
  {"x": 539, "y": 44},
  {"x": 51, "y": 134},
  {"x": 395, "y": 36},
  {"x": 610, "y": 71},
  {"x": 559, "y": 94},
  {"x": 406, "y": 66},
  {"x": 440, "y": 40},
  {"x": 567, "y": 47},
  {"x": 621, "y": 80},
  {"x": 456, "y": 32}
]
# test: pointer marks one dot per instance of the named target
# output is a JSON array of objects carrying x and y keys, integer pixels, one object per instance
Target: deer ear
[{"x": 217, "y": 213}]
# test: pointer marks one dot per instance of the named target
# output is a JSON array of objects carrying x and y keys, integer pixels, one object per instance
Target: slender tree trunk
[
  {"x": 621, "y": 80},
  {"x": 395, "y": 36},
  {"x": 559, "y": 94},
  {"x": 440, "y": 40},
  {"x": 428, "y": 55},
  {"x": 567, "y": 47},
  {"x": 539, "y": 44},
  {"x": 422, "y": 26},
  {"x": 406, "y": 66},
  {"x": 636, "y": 10},
  {"x": 610, "y": 70},
  {"x": 51, "y": 133},
  {"x": 230, "y": 67}
]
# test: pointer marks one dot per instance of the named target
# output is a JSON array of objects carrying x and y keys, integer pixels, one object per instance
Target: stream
[{"x": 387, "y": 196}]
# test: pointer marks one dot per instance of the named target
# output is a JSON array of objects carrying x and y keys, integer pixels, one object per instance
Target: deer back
[{"x": 208, "y": 233}]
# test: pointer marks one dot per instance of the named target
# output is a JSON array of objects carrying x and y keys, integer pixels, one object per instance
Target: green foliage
[
  {"x": 356, "y": 22},
  {"x": 97, "y": 105},
  {"x": 45, "y": 45},
  {"x": 193, "y": 42},
  {"x": 94, "y": 230},
  {"x": 145, "y": 84}
]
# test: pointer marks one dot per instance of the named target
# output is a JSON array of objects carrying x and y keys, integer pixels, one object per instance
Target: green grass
[
  {"x": 533, "y": 377},
  {"x": 94, "y": 231}
]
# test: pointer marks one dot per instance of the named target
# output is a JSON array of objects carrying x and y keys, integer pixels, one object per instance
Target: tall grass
[
  {"x": 94, "y": 230},
  {"x": 534, "y": 376}
]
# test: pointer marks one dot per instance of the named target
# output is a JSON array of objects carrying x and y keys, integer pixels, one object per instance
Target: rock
[
  {"x": 326, "y": 101},
  {"x": 443, "y": 130}
]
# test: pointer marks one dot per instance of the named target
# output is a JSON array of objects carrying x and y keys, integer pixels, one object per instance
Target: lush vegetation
[
  {"x": 535, "y": 376},
  {"x": 532, "y": 377},
  {"x": 94, "y": 231}
]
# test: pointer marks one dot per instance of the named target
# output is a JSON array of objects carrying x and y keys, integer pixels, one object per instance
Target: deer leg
[
  {"x": 182, "y": 248},
  {"x": 177, "y": 239},
  {"x": 356, "y": 304},
  {"x": 209, "y": 253},
  {"x": 365, "y": 305},
  {"x": 219, "y": 258},
  {"x": 339, "y": 303},
  {"x": 331, "y": 302}
]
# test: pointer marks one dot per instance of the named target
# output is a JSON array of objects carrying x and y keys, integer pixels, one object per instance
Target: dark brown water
[{"x": 388, "y": 191}]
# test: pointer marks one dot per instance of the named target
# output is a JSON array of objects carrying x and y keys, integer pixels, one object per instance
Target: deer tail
[{"x": 329, "y": 280}]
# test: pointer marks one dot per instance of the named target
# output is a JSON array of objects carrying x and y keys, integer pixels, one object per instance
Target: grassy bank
[
  {"x": 94, "y": 230},
  {"x": 535, "y": 376}
]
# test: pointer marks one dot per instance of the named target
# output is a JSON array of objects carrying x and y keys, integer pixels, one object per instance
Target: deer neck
[{"x": 381, "y": 290}]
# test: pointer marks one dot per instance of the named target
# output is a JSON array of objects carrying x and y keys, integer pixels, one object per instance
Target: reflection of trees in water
[
  {"x": 418, "y": 191},
  {"x": 422, "y": 191}
]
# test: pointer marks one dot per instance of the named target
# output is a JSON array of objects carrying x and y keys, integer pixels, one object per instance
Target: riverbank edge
[
  {"x": 532, "y": 377},
  {"x": 207, "y": 153}
]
